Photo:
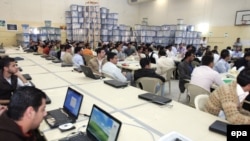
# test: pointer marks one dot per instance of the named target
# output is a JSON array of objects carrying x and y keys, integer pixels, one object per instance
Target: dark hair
[
  {"x": 188, "y": 54},
  {"x": 22, "y": 98},
  {"x": 5, "y": 62},
  {"x": 144, "y": 62},
  {"x": 77, "y": 49},
  {"x": 207, "y": 59},
  {"x": 189, "y": 46},
  {"x": 162, "y": 52},
  {"x": 224, "y": 53},
  {"x": 246, "y": 54},
  {"x": 229, "y": 47},
  {"x": 98, "y": 50},
  {"x": 110, "y": 55},
  {"x": 67, "y": 47},
  {"x": 243, "y": 78}
]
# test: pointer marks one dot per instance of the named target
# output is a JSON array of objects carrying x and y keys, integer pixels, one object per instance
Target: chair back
[
  {"x": 170, "y": 73},
  {"x": 148, "y": 83},
  {"x": 193, "y": 91},
  {"x": 200, "y": 101}
]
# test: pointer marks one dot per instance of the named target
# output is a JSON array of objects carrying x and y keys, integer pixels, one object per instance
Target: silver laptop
[
  {"x": 101, "y": 127},
  {"x": 70, "y": 111}
]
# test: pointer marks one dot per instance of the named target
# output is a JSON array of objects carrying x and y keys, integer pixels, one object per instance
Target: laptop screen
[
  {"x": 73, "y": 101},
  {"x": 102, "y": 126}
]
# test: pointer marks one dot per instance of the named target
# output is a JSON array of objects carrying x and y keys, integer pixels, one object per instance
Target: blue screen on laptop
[
  {"x": 102, "y": 126},
  {"x": 73, "y": 102}
]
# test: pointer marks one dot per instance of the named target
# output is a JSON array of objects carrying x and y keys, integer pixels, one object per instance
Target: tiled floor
[{"x": 175, "y": 92}]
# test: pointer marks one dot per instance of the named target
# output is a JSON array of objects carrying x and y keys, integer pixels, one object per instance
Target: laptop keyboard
[
  {"x": 78, "y": 137},
  {"x": 60, "y": 117}
]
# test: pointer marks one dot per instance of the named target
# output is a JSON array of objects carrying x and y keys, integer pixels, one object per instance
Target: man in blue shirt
[{"x": 222, "y": 65}]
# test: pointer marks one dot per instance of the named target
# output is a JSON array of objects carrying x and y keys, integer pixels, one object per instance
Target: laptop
[
  {"x": 219, "y": 127},
  {"x": 101, "y": 127},
  {"x": 89, "y": 73},
  {"x": 155, "y": 98},
  {"x": 70, "y": 111},
  {"x": 115, "y": 83}
]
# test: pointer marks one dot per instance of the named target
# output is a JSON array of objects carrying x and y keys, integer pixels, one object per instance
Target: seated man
[
  {"x": 112, "y": 70},
  {"x": 67, "y": 57},
  {"x": 97, "y": 63},
  {"x": 77, "y": 58},
  {"x": 25, "y": 112},
  {"x": 87, "y": 50},
  {"x": 243, "y": 62},
  {"x": 204, "y": 75},
  {"x": 185, "y": 69},
  {"x": 130, "y": 50},
  {"x": 146, "y": 71},
  {"x": 118, "y": 50},
  {"x": 228, "y": 98},
  {"x": 164, "y": 63},
  {"x": 222, "y": 66},
  {"x": 10, "y": 79}
]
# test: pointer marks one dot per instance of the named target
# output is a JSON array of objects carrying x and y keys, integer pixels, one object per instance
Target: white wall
[
  {"x": 40, "y": 10},
  {"x": 215, "y": 12}
]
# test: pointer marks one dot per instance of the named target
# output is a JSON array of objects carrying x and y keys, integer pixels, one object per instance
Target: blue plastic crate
[
  {"x": 105, "y": 38},
  {"x": 74, "y": 20},
  {"x": 25, "y": 28},
  {"x": 47, "y": 23},
  {"x": 73, "y": 7},
  {"x": 42, "y": 37},
  {"x": 34, "y": 37},
  {"x": 104, "y": 10},
  {"x": 74, "y": 13}
]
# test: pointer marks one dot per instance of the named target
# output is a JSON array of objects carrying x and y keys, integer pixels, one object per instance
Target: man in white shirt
[
  {"x": 222, "y": 66},
  {"x": 170, "y": 53},
  {"x": 111, "y": 69},
  {"x": 10, "y": 79},
  {"x": 204, "y": 75},
  {"x": 164, "y": 64},
  {"x": 77, "y": 58},
  {"x": 118, "y": 50}
]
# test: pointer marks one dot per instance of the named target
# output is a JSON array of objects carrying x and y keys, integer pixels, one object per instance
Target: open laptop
[
  {"x": 89, "y": 73},
  {"x": 101, "y": 127},
  {"x": 70, "y": 111},
  {"x": 219, "y": 127},
  {"x": 115, "y": 83},
  {"x": 155, "y": 98}
]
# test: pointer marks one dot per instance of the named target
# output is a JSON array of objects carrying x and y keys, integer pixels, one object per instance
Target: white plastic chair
[
  {"x": 169, "y": 76},
  {"x": 148, "y": 84},
  {"x": 200, "y": 101},
  {"x": 193, "y": 91}
]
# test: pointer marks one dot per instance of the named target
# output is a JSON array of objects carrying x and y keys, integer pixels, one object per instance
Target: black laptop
[
  {"x": 219, "y": 127},
  {"x": 70, "y": 111},
  {"x": 101, "y": 127},
  {"x": 115, "y": 83},
  {"x": 89, "y": 73},
  {"x": 155, "y": 98}
]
